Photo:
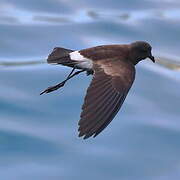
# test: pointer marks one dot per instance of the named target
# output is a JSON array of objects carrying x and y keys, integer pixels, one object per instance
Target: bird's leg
[
  {"x": 61, "y": 84},
  {"x": 89, "y": 72}
]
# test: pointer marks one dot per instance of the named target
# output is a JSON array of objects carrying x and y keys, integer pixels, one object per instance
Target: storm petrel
[{"x": 113, "y": 70}]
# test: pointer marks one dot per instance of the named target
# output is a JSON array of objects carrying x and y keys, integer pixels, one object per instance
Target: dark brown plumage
[
  {"x": 113, "y": 69},
  {"x": 105, "y": 95}
]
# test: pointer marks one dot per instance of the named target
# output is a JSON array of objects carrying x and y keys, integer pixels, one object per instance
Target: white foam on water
[{"x": 174, "y": 75}]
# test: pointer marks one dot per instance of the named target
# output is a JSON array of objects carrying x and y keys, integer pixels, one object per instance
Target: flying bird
[{"x": 113, "y": 70}]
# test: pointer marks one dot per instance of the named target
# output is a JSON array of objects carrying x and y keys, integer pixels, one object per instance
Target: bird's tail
[{"x": 61, "y": 56}]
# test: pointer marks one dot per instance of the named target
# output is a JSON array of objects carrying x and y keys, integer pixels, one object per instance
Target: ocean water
[{"x": 38, "y": 134}]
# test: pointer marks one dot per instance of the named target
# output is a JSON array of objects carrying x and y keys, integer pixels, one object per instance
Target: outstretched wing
[{"x": 108, "y": 89}]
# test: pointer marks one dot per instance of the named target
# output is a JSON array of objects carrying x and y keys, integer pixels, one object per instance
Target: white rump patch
[
  {"x": 76, "y": 56},
  {"x": 84, "y": 62}
]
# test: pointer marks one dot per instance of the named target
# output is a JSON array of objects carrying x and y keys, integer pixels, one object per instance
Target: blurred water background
[{"x": 38, "y": 134}]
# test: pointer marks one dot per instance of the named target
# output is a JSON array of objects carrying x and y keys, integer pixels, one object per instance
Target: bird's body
[
  {"x": 113, "y": 69},
  {"x": 84, "y": 59}
]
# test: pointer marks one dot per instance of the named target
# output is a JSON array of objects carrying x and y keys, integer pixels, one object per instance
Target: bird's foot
[{"x": 53, "y": 88}]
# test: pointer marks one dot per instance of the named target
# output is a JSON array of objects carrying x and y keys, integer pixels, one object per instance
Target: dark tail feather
[{"x": 61, "y": 56}]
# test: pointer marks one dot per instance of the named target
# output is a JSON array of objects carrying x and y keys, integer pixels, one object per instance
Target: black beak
[{"x": 152, "y": 58}]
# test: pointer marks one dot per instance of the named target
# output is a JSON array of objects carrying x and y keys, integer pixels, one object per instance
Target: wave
[{"x": 165, "y": 62}]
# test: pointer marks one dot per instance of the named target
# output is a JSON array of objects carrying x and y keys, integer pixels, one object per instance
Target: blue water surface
[{"x": 38, "y": 134}]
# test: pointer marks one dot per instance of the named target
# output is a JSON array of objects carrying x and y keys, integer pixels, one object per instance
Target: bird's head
[{"x": 140, "y": 50}]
